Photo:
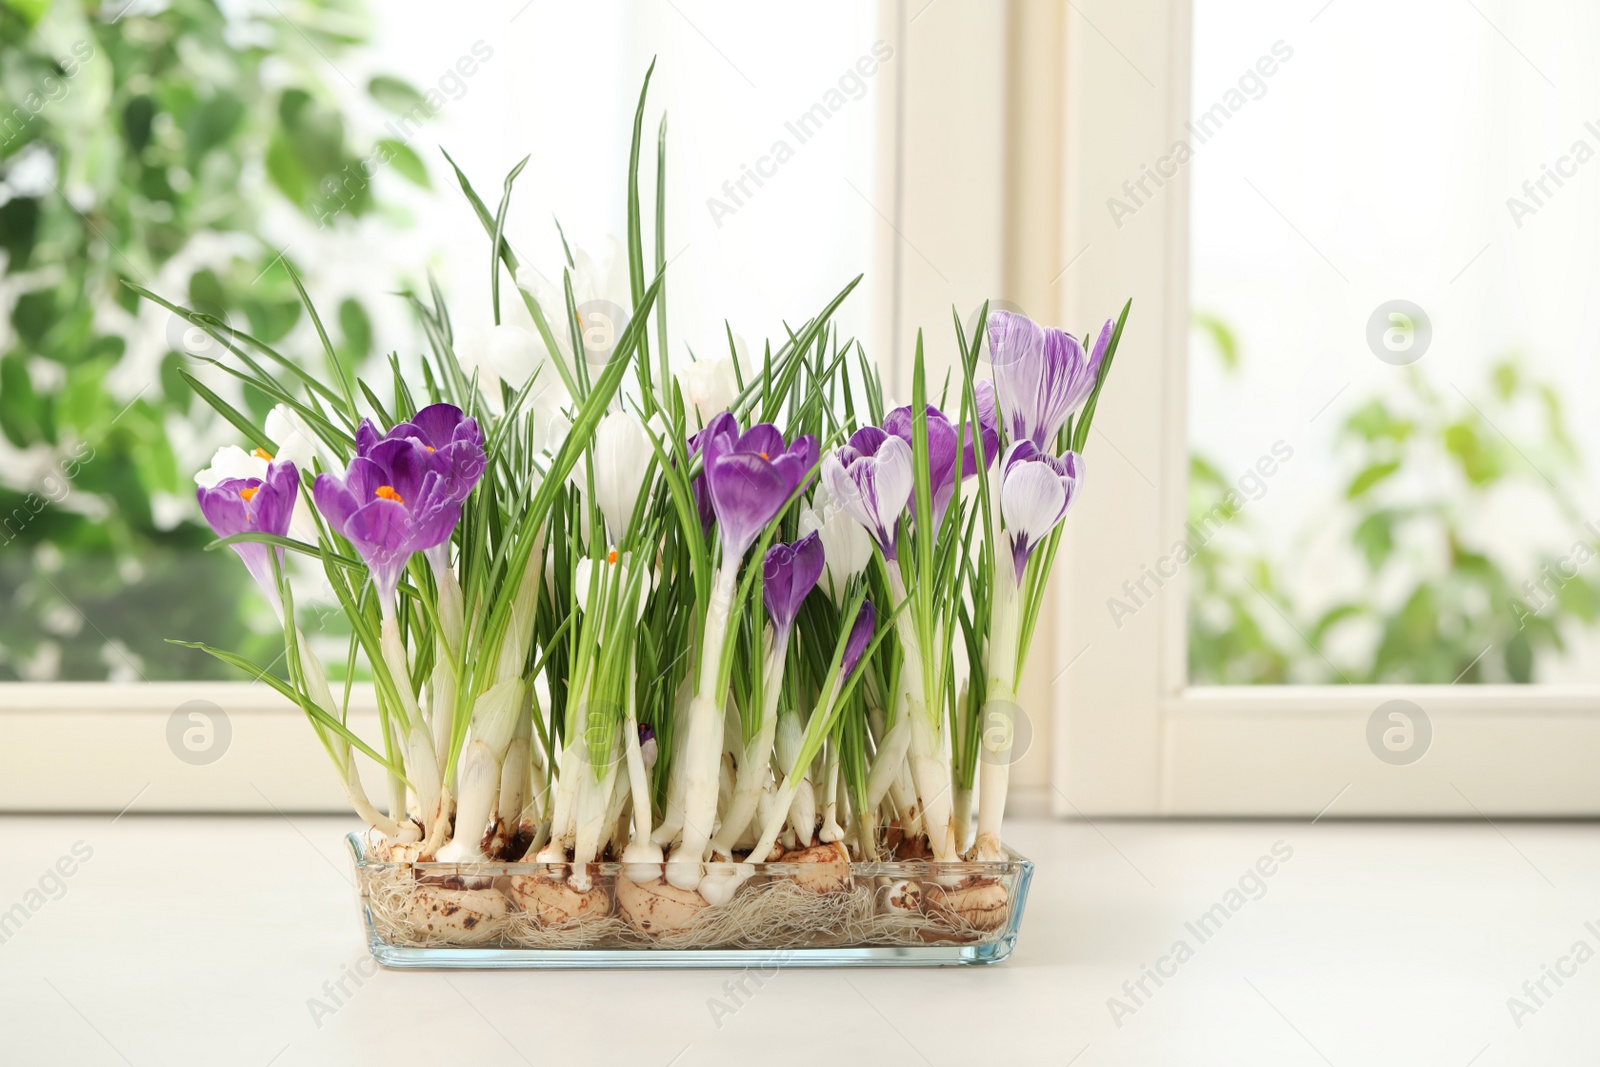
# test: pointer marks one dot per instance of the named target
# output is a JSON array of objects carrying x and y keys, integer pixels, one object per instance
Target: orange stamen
[
  {"x": 765, "y": 456},
  {"x": 387, "y": 492},
  {"x": 612, "y": 558},
  {"x": 261, "y": 453},
  {"x": 249, "y": 493},
  {"x": 428, "y": 447}
]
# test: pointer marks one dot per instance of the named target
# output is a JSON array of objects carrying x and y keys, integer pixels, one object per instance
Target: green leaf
[
  {"x": 406, "y": 162},
  {"x": 1221, "y": 335},
  {"x": 357, "y": 330},
  {"x": 1374, "y": 535},
  {"x": 30, "y": 10},
  {"x": 395, "y": 94},
  {"x": 1370, "y": 477},
  {"x": 18, "y": 415}
]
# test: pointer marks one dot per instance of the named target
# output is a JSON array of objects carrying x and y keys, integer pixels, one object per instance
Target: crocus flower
[
  {"x": 254, "y": 505},
  {"x": 941, "y": 451},
  {"x": 846, "y": 548},
  {"x": 709, "y": 386},
  {"x": 513, "y": 354},
  {"x": 443, "y": 430},
  {"x": 292, "y": 443},
  {"x": 860, "y": 637},
  {"x": 397, "y": 499},
  {"x": 750, "y": 476},
  {"x": 1041, "y": 375},
  {"x": 621, "y": 454},
  {"x": 702, "y": 496},
  {"x": 788, "y": 574},
  {"x": 1036, "y": 489},
  {"x": 871, "y": 479}
]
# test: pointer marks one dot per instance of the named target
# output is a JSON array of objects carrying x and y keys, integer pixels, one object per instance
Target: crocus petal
[
  {"x": 1041, "y": 375},
  {"x": 709, "y": 386},
  {"x": 789, "y": 573},
  {"x": 294, "y": 441},
  {"x": 873, "y": 488},
  {"x": 1035, "y": 492},
  {"x": 746, "y": 493},
  {"x": 847, "y": 549},
  {"x": 860, "y": 637}
]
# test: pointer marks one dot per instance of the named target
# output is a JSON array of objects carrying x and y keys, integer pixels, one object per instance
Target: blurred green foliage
[
  {"x": 125, "y": 139},
  {"x": 1429, "y": 599}
]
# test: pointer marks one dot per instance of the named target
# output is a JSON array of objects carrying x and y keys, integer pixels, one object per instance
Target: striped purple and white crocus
[
  {"x": 1036, "y": 489},
  {"x": 1041, "y": 375}
]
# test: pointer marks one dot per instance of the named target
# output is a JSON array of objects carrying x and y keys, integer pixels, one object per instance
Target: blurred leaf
[
  {"x": 1480, "y": 465},
  {"x": 407, "y": 163},
  {"x": 18, "y": 417},
  {"x": 30, "y": 10},
  {"x": 357, "y": 331},
  {"x": 394, "y": 93},
  {"x": 1370, "y": 477},
  {"x": 1221, "y": 335},
  {"x": 1374, "y": 535}
]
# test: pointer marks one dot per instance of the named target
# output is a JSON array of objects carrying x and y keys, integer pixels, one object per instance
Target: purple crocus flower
[
  {"x": 941, "y": 450},
  {"x": 871, "y": 479},
  {"x": 789, "y": 573},
  {"x": 444, "y": 430},
  {"x": 702, "y": 496},
  {"x": 254, "y": 505},
  {"x": 860, "y": 637},
  {"x": 1041, "y": 375},
  {"x": 750, "y": 476},
  {"x": 398, "y": 498},
  {"x": 1036, "y": 489}
]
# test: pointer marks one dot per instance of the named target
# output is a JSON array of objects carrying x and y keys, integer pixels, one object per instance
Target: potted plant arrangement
[{"x": 669, "y": 665}]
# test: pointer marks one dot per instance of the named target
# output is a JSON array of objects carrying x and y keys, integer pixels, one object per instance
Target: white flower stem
[
  {"x": 702, "y": 750},
  {"x": 755, "y": 761},
  {"x": 997, "y": 730},
  {"x": 930, "y": 766}
]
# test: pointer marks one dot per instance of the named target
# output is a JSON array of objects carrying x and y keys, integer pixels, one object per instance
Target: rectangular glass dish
[{"x": 903, "y": 913}]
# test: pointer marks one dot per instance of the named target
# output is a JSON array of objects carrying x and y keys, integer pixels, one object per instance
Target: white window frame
[{"x": 1132, "y": 738}]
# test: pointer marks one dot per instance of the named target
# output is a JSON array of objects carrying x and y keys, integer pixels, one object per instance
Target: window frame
[{"x": 1132, "y": 737}]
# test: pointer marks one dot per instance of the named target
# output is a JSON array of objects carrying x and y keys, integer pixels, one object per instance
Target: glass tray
[{"x": 909, "y": 913}]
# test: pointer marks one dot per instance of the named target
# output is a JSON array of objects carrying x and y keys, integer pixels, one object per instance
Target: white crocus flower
[
  {"x": 294, "y": 440},
  {"x": 710, "y": 386},
  {"x": 622, "y": 572},
  {"x": 601, "y": 293},
  {"x": 514, "y": 354},
  {"x": 621, "y": 454},
  {"x": 846, "y": 547}
]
